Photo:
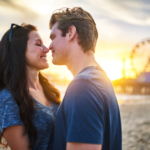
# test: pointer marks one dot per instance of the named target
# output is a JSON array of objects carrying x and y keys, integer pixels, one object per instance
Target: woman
[{"x": 28, "y": 102}]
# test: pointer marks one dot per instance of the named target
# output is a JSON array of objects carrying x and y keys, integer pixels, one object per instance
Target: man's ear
[{"x": 71, "y": 33}]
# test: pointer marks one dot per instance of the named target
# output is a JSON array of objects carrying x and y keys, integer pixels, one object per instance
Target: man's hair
[{"x": 82, "y": 20}]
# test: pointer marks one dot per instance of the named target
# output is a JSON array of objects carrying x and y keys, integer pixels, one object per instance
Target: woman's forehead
[{"x": 33, "y": 35}]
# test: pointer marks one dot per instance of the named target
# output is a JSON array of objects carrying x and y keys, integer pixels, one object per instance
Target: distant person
[
  {"x": 28, "y": 102},
  {"x": 88, "y": 117}
]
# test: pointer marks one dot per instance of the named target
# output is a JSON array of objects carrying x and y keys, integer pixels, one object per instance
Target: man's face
[{"x": 58, "y": 46}]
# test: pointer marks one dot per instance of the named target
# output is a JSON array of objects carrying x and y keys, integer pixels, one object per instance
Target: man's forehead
[{"x": 54, "y": 28}]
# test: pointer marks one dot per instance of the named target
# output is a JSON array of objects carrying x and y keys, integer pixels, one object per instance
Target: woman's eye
[{"x": 38, "y": 44}]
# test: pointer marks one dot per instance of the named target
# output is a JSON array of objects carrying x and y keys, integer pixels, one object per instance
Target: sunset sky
[{"x": 121, "y": 24}]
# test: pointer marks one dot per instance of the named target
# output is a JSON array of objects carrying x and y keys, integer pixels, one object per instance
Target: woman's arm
[
  {"x": 83, "y": 146},
  {"x": 15, "y": 138}
]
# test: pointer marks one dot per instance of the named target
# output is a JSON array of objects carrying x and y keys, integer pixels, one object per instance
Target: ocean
[{"x": 121, "y": 97}]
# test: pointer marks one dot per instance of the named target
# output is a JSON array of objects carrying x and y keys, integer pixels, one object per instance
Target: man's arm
[{"x": 83, "y": 146}]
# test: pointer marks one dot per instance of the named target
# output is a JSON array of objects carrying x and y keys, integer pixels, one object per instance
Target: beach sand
[{"x": 135, "y": 117}]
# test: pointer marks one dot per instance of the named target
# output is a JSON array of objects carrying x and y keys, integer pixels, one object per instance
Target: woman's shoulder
[
  {"x": 9, "y": 110},
  {"x": 5, "y": 95},
  {"x": 55, "y": 106}
]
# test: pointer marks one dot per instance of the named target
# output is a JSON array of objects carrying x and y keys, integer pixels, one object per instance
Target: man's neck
[{"x": 81, "y": 61}]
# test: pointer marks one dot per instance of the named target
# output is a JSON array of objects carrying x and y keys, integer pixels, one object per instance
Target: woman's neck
[{"x": 33, "y": 79}]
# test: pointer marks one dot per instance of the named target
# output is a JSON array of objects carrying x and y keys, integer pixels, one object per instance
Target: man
[{"x": 88, "y": 117}]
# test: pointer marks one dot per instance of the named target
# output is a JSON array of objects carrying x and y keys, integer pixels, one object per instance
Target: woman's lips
[{"x": 44, "y": 57}]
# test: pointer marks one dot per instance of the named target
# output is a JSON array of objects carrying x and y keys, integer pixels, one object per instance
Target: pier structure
[{"x": 140, "y": 68}]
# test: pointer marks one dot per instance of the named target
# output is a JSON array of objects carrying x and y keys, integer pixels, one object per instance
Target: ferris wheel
[{"x": 140, "y": 57}]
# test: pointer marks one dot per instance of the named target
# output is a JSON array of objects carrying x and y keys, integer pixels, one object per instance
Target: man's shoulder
[
  {"x": 92, "y": 81},
  {"x": 87, "y": 82},
  {"x": 91, "y": 73},
  {"x": 82, "y": 90},
  {"x": 80, "y": 85},
  {"x": 95, "y": 75}
]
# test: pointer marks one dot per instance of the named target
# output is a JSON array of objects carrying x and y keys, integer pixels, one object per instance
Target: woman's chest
[{"x": 44, "y": 119}]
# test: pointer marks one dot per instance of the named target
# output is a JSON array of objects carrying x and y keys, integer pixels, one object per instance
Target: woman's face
[{"x": 36, "y": 52}]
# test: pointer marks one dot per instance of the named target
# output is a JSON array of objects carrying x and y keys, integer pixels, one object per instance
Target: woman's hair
[{"x": 13, "y": 76}]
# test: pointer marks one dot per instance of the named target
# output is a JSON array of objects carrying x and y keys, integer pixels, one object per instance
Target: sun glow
[{"x": 113, "y": 68}]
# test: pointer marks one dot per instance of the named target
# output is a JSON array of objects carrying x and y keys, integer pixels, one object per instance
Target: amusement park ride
[
  {"x": 139, "y": 73},
  {"x": 140, "y": 57}
]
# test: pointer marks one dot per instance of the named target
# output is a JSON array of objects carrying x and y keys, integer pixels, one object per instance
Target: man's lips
[{"x": 53, "y": 53}]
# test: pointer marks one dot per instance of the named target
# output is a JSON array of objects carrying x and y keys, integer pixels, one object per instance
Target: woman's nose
[{"x": 45, "y": 49}]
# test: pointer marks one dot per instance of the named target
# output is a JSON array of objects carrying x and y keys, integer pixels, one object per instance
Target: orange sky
[{"x": 121, "y": 24}]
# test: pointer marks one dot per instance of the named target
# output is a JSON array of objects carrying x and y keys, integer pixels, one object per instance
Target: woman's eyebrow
[{"x": 39, "y": 40}]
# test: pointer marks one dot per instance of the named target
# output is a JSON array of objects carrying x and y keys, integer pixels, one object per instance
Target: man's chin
[{"x": 57, "y": 62}]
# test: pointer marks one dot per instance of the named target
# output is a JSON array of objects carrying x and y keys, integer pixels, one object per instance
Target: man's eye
[{"x": 38, "y": 44}]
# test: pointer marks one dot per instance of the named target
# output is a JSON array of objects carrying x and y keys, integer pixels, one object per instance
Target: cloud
[
  {"x": 130, "y": 11},
  {"x": 114, "y": 18},
  {"x": 13, "y": 7}
]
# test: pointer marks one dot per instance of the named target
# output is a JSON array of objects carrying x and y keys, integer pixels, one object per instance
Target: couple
[{"x": 88, "y": 118}]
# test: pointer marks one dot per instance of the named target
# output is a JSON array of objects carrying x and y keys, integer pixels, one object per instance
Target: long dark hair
[{"x": 13, "y": 76}]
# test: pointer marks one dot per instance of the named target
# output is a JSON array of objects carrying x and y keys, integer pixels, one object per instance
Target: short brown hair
[{"x": 82, "y": 20}]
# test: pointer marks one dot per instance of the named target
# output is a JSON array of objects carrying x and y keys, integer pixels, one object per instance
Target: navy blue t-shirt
[{"x": 89, "y": 112}]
